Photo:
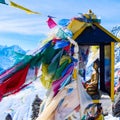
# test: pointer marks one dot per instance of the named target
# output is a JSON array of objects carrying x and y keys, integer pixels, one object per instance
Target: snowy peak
[
  {"x": 7, "y": 51},
  {"x": 10, "y": 56}
]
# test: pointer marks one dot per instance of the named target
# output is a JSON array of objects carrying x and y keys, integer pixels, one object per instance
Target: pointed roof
[{"x": 88, "y": 30}]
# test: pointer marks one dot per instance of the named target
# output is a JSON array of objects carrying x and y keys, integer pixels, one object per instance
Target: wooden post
[{"x": 112, "y": 71}]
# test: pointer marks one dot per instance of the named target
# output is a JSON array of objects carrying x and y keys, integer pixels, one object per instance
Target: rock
[
  {"x": 35, "y": 107},
  {"x": 116, "y": 106},
  {"x": 8, "y": 117}
]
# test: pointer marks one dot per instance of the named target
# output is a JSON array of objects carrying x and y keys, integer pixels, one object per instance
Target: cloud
[{"x": 23, "y": 25}]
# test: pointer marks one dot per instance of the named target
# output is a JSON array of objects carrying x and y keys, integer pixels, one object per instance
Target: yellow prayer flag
[
  {"x": 28, "y": 11},
  {"x": 75, "y": 75}
]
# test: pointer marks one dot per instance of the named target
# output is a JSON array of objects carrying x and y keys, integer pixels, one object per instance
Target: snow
[
  {"x": 110, "y": 117},
  {"x": 19, "y": 104}
]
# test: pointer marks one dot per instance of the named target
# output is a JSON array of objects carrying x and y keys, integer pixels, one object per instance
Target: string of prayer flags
[{"x": 28, "y": 11}]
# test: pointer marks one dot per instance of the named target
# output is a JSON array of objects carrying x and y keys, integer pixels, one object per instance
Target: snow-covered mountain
[
  {"x": 19, "y": 105},
  {"x": 7, "y": 51},
  {"x": 10, "y": 56}
]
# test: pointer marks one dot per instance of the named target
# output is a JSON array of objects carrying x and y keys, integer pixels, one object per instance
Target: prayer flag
[
  {"x": 51, "y": 23},
  {"x": 3, "y": 2},
  {"x": 23, "y": 8},
  {"x": 64, "y": 22},
  {"x": 61, "y": 44},
  {"x": 14, "y": 82}
]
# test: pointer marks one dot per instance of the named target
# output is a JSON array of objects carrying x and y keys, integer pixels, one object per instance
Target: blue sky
[{"x": 17, "y": 27}]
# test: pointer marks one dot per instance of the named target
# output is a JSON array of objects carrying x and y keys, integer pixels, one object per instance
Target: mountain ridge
[{"x": 10, "y": 55}]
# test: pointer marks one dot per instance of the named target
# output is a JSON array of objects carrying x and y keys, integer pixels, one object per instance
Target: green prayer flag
[
  {"x": 54, "y": 64},
  {"x": 60, "y": 70},
  {"x": 36, "y": 60},
  {"x": 48, "y": 54}
]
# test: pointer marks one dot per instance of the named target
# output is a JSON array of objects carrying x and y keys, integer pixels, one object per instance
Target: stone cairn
[{"x": 35, "y": 107}]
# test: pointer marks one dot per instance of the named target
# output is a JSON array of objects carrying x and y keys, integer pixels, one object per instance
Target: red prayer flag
[
  {"x": 14, "y": 82},
  {"x": 51, "y": 23}
]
